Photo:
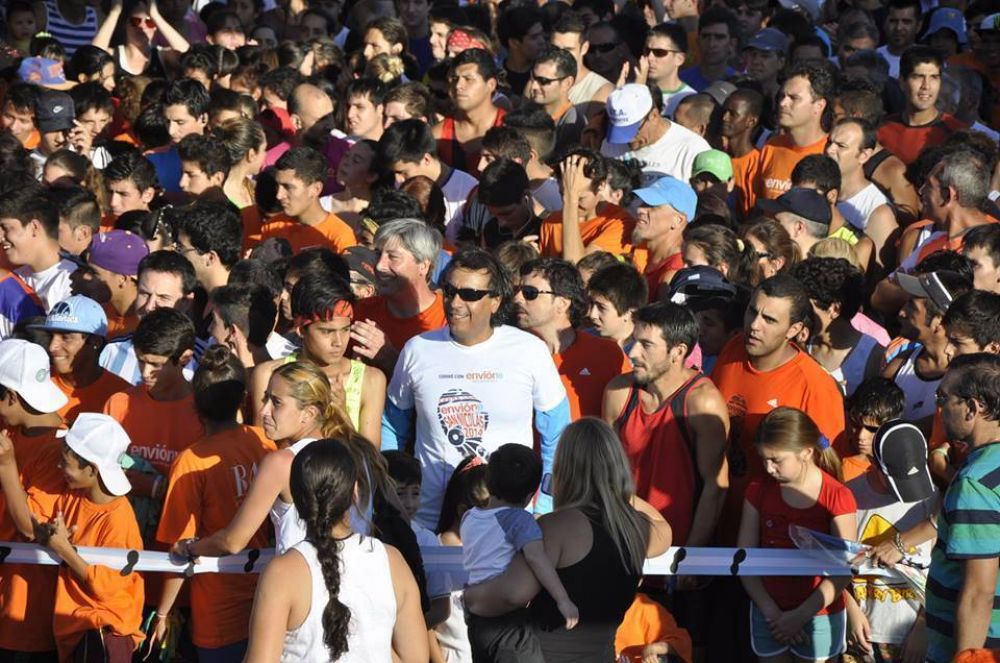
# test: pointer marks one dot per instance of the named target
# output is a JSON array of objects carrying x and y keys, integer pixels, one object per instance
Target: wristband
[{"x": 940, "y": 451}]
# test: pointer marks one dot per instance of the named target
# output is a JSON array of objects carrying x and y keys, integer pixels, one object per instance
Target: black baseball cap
[
  {"x": 55, "y": 111},
  {"x": 807, "y": 203},
  {"x": 901, "y": 453},
  {"x": 699, "y": 281},
  {"x": 362, "y": 260}
]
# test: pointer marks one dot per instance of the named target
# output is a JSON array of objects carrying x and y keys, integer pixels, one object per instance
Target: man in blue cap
[
  {"x": 765, "y": 56},
  {"x": 666, "y": 207},
  {"x": 946, "y": 33}
]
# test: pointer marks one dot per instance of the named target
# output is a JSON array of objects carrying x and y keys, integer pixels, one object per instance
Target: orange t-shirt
[
  {"x": 646, "y": 622},
  {"x": 118, "y": 324},
  {"x": 750, "y": 394},
  {"x": 90, "y": 398},
  {"x": 401, "y": 330},
  {"x": 855, "y": 466},
  {"x": 159, "y": 430},
  {"x": 611, "y": 230},
  {"x": 585, "y": 369},
  {"x": 33, "y": 140},
  {"x": 26, "y": 590},
  {"x": 253, "y": 222},
  {"x": 778, "y": 159},
  {"x": 332, "y": 233},
  {"x": 208, "y": 482},
  {"x": 106, "y": 599},
  {"x": 744, "y": 170}
]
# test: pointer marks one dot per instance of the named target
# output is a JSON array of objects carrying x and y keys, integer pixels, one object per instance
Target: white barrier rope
[{"x": 448, "y": 560}]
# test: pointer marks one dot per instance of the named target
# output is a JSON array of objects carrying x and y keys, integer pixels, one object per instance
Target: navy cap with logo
[
  {"x": 807, "y": 203},
  {"x": 55, "y": 112},
  {"x": 699, "y": 281},
  {"x": 900, "y": 450}
]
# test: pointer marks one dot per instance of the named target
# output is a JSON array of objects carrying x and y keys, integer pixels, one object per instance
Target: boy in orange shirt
[
  {"x": 29, "y": 402},
  {"x": 875, "y": 401},
  {"x": 648, "y": 633},
  {"x": 301, "y": 175},
  {"x": 95, "y": 606}
]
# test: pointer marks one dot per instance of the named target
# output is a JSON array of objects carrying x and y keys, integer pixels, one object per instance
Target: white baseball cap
[
  {"x": 24, "y": 368},
  {"x": 99, "y": 439},
  {"x": 627, "y": 107}
]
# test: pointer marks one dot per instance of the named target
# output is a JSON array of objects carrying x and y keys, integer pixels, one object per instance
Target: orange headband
[{"x": 341, "y": 309}]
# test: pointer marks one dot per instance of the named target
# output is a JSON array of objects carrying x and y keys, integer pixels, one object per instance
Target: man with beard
[
  {"x": 474, "y": 385},
  {"x": 673, "y": 424}
]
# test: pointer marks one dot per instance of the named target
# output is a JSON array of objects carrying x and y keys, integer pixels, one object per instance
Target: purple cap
[{"x": 118, "y": 251}]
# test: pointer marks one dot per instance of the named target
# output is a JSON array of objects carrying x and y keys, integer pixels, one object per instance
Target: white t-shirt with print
[
  {"x": 672, "y": 155},
  {"x": 470, "y": 400},
  {"x": 52, "y": 285}
]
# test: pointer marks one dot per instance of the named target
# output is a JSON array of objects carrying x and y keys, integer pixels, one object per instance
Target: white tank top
[
  {"x": 365, "y": 588},
  {"x": 860, "y": 206},
  {"x": 920, "y": 393},
  {"x": 585, "y": 88},
  {"x": 288, "y": 527}
]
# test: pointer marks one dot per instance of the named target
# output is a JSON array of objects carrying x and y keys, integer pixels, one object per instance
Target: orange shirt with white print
[
  {"x": 778, "y": 159},
  {"x": 90, "y": 398},
  {"x": 585, "y": 369},
  {"x": 332, "y": 233},
  {"x": 27, "y": 590},
  {"x": 610, "y": 230},
  {"x": 401, "y": 330},
  {"x": 159, "y": 430},
  {"x": 105, "y": 599},
  {"x": 208, "y": 482}
]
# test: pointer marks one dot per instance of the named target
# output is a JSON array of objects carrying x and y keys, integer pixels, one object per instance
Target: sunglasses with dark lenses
[
  {"x": 660, "y": 52},
  {"x": 541, "y": 80},
  {"x": 604, "y": 48},
  {"x": 859, "y": 425},
  {"x": 530, "y": 292},
  {"x": 465, "y": 294},
  {"x": 139, "y": 21}
]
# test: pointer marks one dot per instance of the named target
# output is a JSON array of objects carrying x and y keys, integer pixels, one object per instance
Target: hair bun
[{"x": 214, "y": 358}]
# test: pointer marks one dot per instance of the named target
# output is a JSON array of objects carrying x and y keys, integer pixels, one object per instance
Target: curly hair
[{"x": 832, "y": 281}]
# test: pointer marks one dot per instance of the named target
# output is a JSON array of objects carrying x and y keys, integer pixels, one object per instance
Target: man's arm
[
  {"x": 975, "y": 603},
  {"x": 708, "y": 423}
]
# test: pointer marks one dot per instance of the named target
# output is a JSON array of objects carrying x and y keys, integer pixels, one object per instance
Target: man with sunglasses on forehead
[
  {"x": 473, "y": 385},
  {"x": 552, "y": 77}
]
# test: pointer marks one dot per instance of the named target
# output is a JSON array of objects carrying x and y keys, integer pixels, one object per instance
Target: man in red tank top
[
  {"x": 673, "y": 424},
  {"x": 472, "y": 80}
]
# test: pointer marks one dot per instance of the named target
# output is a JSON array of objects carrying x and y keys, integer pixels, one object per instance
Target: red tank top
[
  {"x": 660, "y": 453},
  {"x": 451, "y": 151}
]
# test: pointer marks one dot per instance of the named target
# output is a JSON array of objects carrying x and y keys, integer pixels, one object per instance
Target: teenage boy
[
  {"x": 29, "y": 237},
  {"x": 77, "y": 327},
  {"x": 407, "y": 149},
  {"x": 242, "y": 318},
  {"x": 95, "y": 607},
  {"x": 79, "y": 218},
  {"x": 616, "y": 292},
  {"x": 131, "y": 185},
  {"x": 18, "y": 114},
  {"x": 301, "y": 175},
  {"x": 29, "y": 404},
  {"x": 204, "y": 166},
  {"x": 875, "y": 402},
  {"x": 185, "y": 108},
  {"x": 109, "y": 277},
  {"x": 55, "y": 118},
  {"x": 210, "y": 235}
]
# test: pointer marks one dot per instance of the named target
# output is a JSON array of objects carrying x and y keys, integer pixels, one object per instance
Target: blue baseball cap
[
  {"x": 76, "y": 314},
  {"x": 769, "y": 39},
  {"x": 670, "y": 191},
  {"x": 948, "y": 18}
]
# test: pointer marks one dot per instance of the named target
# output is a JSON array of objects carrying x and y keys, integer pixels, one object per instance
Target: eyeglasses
[
  {"x": 541, "y": 80},
  {"x": 530, "y": 292},
  {"x": 139, "y": 21},
  {"x": 604, "y": 48},
  {"x": 660, "y": 52},
  {"x": 763, "y": 255},
  {"x": 465, "y": 294}
]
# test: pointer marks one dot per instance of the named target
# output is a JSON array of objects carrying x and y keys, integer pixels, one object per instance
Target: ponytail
[
  {"x": 792, "y": 429},
  {"x": 322, "y": 483},
  {"x": 827, "y": 459}
]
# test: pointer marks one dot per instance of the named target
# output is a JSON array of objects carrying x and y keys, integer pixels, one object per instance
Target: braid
[{"x": 322, "y": 483}]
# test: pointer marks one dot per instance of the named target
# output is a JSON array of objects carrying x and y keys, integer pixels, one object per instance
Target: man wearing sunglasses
[
  {"x": 551, "y": 303},
  {"x": 473, "y": 385},
  {"x": 666, "y": 50},
  {"x": 552, "y": 77}
]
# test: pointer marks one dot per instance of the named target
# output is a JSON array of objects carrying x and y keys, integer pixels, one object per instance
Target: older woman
[{"x": 598, "y": 538}]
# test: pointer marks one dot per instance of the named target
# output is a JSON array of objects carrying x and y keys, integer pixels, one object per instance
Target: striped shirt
[
  {"x": 968, "y": 528},
  {"x": 118, "y": 357},
  {"x": 71, "y": 36}
]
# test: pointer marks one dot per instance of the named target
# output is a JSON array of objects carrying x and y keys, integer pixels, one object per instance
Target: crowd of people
[{"x": 561, "y": 283}]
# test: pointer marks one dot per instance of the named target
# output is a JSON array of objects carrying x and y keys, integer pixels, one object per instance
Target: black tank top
[
  {"x": 875, "y": 161},
  {"x": 599, "y": 584}
]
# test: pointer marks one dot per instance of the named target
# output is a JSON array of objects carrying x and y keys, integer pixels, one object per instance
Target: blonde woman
[{"x": 598, "y": 538}]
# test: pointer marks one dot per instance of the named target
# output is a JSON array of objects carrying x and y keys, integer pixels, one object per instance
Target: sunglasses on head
[
  {"x": 660, "y": 52},
  {"x": 530, "y": 292},
  {"x": 139, "y": 21},
  {"x": 465, "y": 294},
  {"x": 604, "y": 48}
]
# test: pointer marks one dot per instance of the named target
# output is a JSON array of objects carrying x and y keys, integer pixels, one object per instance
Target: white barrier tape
[{"x": 447, "y": 560}]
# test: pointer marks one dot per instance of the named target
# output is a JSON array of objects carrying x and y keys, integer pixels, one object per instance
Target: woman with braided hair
[{"x": 337, "y": 595}]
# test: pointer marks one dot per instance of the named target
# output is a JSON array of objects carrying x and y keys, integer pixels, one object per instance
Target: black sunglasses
[
  {"x": 604, "y": 48},
  {"x": 465, "y": 294},
  {"x": 660, "y": 52},
  {"x": 530, "y": 292},
  {"x": 859, "y": 425},
  {"x": 541, "y": 80}
]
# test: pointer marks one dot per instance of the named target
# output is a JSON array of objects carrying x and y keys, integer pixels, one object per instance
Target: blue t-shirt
[
  {"x": 168, "y": 168},
  {"x": 491, "y": 538},
  {"x": 968, "y": 528},
  {"x": 695, "y": 79}
]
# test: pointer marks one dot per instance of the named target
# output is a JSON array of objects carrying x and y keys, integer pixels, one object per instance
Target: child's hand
[
  {"x": 787, "y": 628},
  {"x": 6, "y": 449},
  {"x": 568, "y": 610},
  {"x": 859, "y": 631},
  {"x": 59, "y": 534},
  {"x": 651, "y": 653}
]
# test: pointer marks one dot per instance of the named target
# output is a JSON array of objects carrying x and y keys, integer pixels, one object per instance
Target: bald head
[{"x": 308, "y": 105}]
